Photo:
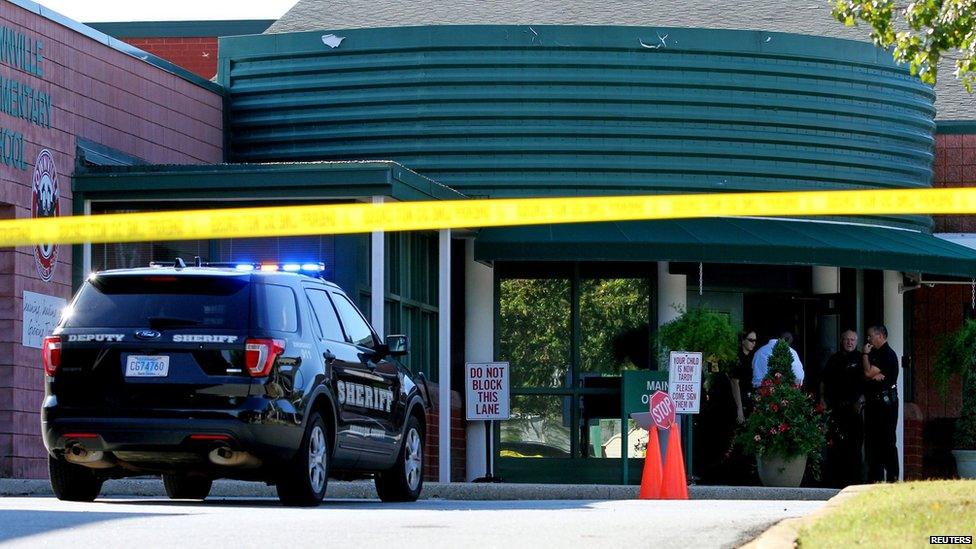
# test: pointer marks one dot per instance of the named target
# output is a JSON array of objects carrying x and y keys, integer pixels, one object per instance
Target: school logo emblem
[{"x": 44, "y": 203}]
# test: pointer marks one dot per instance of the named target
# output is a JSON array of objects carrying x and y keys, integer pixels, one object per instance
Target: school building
[{"x": 398, "y": 101}]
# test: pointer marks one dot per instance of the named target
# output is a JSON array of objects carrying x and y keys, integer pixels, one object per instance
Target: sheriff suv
[{"x": 248, "y": 372}]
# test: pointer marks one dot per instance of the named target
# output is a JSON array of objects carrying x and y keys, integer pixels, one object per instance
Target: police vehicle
[{"x": 253, "y": 372}]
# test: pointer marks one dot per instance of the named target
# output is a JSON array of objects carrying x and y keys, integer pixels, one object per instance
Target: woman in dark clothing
[
  {"x": 741, "y": 376},
  {"x": 718, "y": 461}
]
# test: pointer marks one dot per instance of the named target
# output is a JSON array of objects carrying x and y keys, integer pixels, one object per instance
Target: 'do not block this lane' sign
[{"x": 486, "y": 387}]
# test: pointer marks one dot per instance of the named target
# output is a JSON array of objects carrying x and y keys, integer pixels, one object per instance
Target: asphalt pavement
[{"x": 252, "y": 522}]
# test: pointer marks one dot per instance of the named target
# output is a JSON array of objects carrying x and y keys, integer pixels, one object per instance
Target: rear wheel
[
  {"x": 187, "y": 487},
  {"x": 405, "y": 480},
  {"x": 72, "y": 482},
  {"x": 304, "y": 483}
]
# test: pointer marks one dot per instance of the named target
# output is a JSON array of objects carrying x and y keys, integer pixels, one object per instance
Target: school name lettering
[
  {"x": 21, "y": 52},
  {"x": 18, "y": 99},
  {"x": 25, "y": 102}
]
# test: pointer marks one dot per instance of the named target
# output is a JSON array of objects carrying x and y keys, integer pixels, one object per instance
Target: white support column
[
  {"x": 894, "y": 319},
  {"x": 672, "y": 294},
  {"x": 377, "y": 282},
  {"x": 86, "y": 249},
  {"x": 479, "y": 345},
  {"x": 444, "y": 354}
]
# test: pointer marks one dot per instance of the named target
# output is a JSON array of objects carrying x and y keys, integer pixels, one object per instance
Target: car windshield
[{"x": 161, "y": 302}]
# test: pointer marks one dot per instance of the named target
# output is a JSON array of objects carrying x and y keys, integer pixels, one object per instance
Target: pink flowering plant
[{"x": 785, "y": 421}]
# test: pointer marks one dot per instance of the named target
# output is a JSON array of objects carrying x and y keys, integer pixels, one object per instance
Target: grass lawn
[{"x": 897, "y": 515}]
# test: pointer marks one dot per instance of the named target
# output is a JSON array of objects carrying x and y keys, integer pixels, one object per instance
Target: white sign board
[
  {"x": 41, "y": 315},
  {"x": 486, "y": 390},
  {"x": 684, "y": 381}
]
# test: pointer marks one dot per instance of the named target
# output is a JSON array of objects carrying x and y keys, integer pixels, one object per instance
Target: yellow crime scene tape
[{"x": 475, "y": 213}]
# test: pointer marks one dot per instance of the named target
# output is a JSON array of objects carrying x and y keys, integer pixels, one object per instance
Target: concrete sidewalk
[{"x": 436, "y": 490}]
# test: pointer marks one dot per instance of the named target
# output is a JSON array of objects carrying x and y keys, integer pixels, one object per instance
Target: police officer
[
  {"x": 843, "y": 391},
  {"x": 880, "y": 365}
]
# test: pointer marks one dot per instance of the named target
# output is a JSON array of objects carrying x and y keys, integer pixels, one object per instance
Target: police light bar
[{"x": 312, "y": 269}]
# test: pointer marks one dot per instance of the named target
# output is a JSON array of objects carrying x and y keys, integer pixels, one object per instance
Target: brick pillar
[
  {"x": 914, "y": 443},
  {"x": 458, "y": 443}
]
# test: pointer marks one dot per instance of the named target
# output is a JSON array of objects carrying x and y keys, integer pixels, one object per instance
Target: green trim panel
[
  {"x": 955, "y": 127},
  {"x": 280, "y": 180},
  {"x": 731, "y": 240},
  {"x": 581, "y": 110},
  {"x": 182, "y": 29}
]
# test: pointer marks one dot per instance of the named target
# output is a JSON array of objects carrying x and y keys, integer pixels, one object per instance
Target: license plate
[{"x": 146, "y": 366}]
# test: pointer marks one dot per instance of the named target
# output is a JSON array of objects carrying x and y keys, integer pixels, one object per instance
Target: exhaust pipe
[
  {"x": 79, "y": 455},
  {"x": 229, "y": 458}
]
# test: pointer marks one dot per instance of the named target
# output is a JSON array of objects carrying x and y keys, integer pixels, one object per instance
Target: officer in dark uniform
[
  {"x": 880, "y": 365},
  {"x": 843, "y": 390}
]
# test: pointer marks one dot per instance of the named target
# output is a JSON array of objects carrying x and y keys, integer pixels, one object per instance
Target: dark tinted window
[
  {"x": 356, "y": 328},
  {"x": 276, "y": 308},
  {"x": 326, "y": 315},
  {"x": 161, "y": 301}
]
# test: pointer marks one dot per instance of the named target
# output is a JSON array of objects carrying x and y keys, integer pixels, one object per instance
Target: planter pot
[
  {"x": 777, "y": 471},
  {"x": 965, "y": 463}
]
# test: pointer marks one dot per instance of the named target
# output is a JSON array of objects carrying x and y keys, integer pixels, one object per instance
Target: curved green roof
[{"x": 581, "y": 110}]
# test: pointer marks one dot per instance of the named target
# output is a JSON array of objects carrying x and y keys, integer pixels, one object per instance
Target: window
[
  {"x": 129, "y": 301},
  {"x": 357, "y": 330},
  {"x": 326, "y": 315},
  {"x": 279, "y": 311}
]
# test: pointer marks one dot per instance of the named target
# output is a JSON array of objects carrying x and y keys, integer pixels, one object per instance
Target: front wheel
[
  {"x": 304, "y": 483},
  {"x": 72, "y": 482},
  {"x": 405, "y": 480}
]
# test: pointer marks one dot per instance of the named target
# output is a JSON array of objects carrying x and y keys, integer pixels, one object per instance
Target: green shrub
[
  {"x": 784, "y": 422},
  {"x": 701, "y": 330},
  {"x": 957, "y": 357}
]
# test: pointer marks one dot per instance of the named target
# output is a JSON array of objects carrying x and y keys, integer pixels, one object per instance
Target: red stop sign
[{"x": 662, "y": 410}]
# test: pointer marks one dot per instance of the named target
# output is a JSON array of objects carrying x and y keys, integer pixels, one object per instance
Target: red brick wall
[
  {"x": 914, "y": 444},
  {"x": 195, "y": 54},
  {"x": 939, "y": 310},
  {"x": 955, "y": 166},
  {"x": 105, "y": 96},
  {"x": 458, "y": 445}
]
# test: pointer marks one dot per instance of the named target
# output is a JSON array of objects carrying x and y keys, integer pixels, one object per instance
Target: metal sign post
[{"x": 486, "y": 388}]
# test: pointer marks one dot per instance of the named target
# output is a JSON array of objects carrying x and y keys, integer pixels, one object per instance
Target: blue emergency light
[{"x": 314, "y": 269}]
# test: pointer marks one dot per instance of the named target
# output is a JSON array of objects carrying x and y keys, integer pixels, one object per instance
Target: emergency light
[{"x": 312, "y": 269}]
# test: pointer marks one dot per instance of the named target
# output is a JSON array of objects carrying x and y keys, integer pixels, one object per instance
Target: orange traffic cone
[
  {"x": 674, "y": 486},
  {"x": 650, "y": 487}
]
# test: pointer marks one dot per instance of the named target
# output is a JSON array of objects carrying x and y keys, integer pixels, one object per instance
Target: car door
[
  {"x": 343, "y": 359},
  {"x": 378, "y": 378}
]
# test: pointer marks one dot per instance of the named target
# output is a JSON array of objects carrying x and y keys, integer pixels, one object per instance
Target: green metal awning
[{"x": 732, "y": 240}]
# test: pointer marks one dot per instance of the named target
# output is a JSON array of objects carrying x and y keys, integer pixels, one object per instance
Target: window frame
[
  {"x": 372, "y": 332},
  {"x": 318, "y": 321}
]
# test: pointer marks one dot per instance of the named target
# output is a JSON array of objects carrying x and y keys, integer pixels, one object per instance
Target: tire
[
  {"x": 304, "y": 481},
  {"x": 187, "y": 487},
  {"x": 72, "y": 482},
  {"x": 405, "y": 480}
]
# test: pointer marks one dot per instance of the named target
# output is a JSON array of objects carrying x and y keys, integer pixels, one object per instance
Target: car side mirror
[{"x": 397, "y": 345}]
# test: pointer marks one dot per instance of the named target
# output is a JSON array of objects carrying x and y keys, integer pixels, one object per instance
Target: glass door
[{"x": 568, "y": 338}]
